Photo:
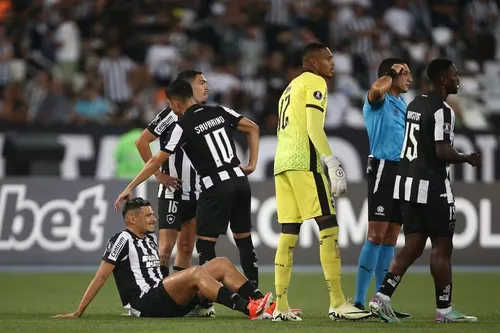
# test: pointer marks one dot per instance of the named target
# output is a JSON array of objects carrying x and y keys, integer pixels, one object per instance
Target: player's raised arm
[{"x": 384, "y": 83}]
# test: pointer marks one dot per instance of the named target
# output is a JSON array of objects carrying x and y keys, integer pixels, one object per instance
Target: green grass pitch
[{"x": 28, "y": 301}]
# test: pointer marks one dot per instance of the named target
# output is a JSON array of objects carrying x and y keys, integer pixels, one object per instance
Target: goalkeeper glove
[{"x": 338, "y": 182}]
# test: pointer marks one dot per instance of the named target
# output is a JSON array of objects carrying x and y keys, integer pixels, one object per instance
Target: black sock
[
  {"x": 232, "y": 300},
  {"x": 206, "y": 250},
  {"x": 248, "y": 290},
  {"x": 443, "y": 297},
  {"x": 164, "y": 271},
  {"x": 390, "y": 283},
  {"x": 177, "y": 269},
  {"x": 248, "y": 259}
]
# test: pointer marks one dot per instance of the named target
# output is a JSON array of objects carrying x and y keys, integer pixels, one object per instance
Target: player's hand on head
[
  {"x": 398, "y": 68},
  {"x": 247, "y": 169},
  {"x": 124, "y": 196},
  {"x": 338, "y": 181},
  {"x": 474, "y": 159},
  {"x": 171, "y": 182},
  {"x": 68, "y": 315}
]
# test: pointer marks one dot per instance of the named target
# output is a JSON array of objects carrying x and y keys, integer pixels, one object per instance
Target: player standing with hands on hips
[{"x": 384, "y": 112}]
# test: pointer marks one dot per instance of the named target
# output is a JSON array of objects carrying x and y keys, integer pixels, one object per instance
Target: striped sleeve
[
  {"x": 163, "y": 120},
  {"x": 116, "y": 248},
  {"x": 177, "y": 137},
  {"x": 443, "y": 126},
  {"x": 232, "y": 116}
]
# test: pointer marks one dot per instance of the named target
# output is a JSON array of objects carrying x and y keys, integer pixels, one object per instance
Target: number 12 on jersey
[
  {"x": 410, "y": 147},
  {"x": 223, "y": 144},
  {"x": 282, "y": 118}
]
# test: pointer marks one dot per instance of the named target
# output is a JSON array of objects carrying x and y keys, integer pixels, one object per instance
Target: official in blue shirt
[{"x": 384, "y": 112}]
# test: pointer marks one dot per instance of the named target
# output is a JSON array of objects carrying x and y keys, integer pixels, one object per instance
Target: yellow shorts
[{"x": 302, "y": 195}]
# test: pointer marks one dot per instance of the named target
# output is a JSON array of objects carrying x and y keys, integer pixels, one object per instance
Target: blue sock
[
  {"x": 366, "y": 265},
  {"x": 384, "y": 261}
]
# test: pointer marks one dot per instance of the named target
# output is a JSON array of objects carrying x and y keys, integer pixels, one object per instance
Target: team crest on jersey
[
  {"x": 447, "y": 127},
  {"x": 109, "y": 246},
  {"x": 170, "y": 218},
  {"x": 318, "y": 95},
  {"x": 156, "y": 120}
]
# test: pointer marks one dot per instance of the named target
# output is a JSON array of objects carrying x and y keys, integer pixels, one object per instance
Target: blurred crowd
[{"x": 108, "y": 61}]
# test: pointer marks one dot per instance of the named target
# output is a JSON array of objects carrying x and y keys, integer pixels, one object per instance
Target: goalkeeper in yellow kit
[{"x": 302, "y": 190}]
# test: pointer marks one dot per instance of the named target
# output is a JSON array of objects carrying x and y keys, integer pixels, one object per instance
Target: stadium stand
[{"x": 107, "y": 61}]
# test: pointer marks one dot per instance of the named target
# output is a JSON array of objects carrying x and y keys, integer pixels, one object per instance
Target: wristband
[{"x": 392, "y": 73}]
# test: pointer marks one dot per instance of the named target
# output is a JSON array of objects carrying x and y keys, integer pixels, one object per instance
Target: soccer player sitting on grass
[{"x": 132, "y": 256}]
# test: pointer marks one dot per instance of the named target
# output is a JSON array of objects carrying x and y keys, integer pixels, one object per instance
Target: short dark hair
[
  {"x": 180, "y": 89},
  {"x": 134, "y": 203},
  {"x": 437, "y": 68},
  {"x": 188, "y": 75},
  {"x": 386, "y": 65},
  {"x": 312, "y": 47}
]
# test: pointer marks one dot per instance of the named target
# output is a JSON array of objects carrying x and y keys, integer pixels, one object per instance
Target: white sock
[
  {"x": 384, "y": 297},
  {"x": 444, "y": 311}
]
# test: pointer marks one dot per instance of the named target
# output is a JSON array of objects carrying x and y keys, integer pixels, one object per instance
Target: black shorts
[
  {"x": 158, "y": 303},
  {"x": 173, "y": 213},
  {"x": 381, "y": 206},
  {"x": 435, "y": 219},
  {"x": 227, "y": 201}
]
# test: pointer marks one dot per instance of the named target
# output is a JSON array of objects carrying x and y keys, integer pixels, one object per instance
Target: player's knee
[
  {"x": 165, "y": 248},
  {"x": 185, "y": 247},
  {"x": 441, "y": 252},
  {"x": 290, "y": 228},
  {"x": 325, "y": 222},
  {"x": 391, "y": 238},
  {"x": 197, "y": 272},
  {"x": 222, "y": 262}
]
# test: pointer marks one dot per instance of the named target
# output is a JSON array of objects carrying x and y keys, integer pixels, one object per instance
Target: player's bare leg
[
  {"x": 183, "y": 286},
  {"x": 331, "y": 263},
  {"x": 411, "y": 251},
  {"x": 442, "y": 248},
  {"x": 166, "y": 242},
  {"x": 185, "y": 245}
]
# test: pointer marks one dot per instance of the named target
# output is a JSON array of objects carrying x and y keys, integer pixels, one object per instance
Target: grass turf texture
[{"x": 28, "y": 301}]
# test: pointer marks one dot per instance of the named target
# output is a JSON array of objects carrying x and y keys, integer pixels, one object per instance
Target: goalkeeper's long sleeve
[{"x": 316, "y": 132}]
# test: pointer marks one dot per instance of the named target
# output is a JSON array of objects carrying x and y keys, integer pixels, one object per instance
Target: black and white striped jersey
[
  {"x": 178, "y": 165},
  {"x": 114, "y": 73},
  {"x": 421, "y": 174},
  {"x": 205, "y": 133},
  {"x": 137, "y": 264}
]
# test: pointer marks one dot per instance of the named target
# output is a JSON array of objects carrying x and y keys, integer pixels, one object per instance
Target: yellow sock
[
  {"x": 329, "y": 254},
  {"x": 283, "y": 269}
]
